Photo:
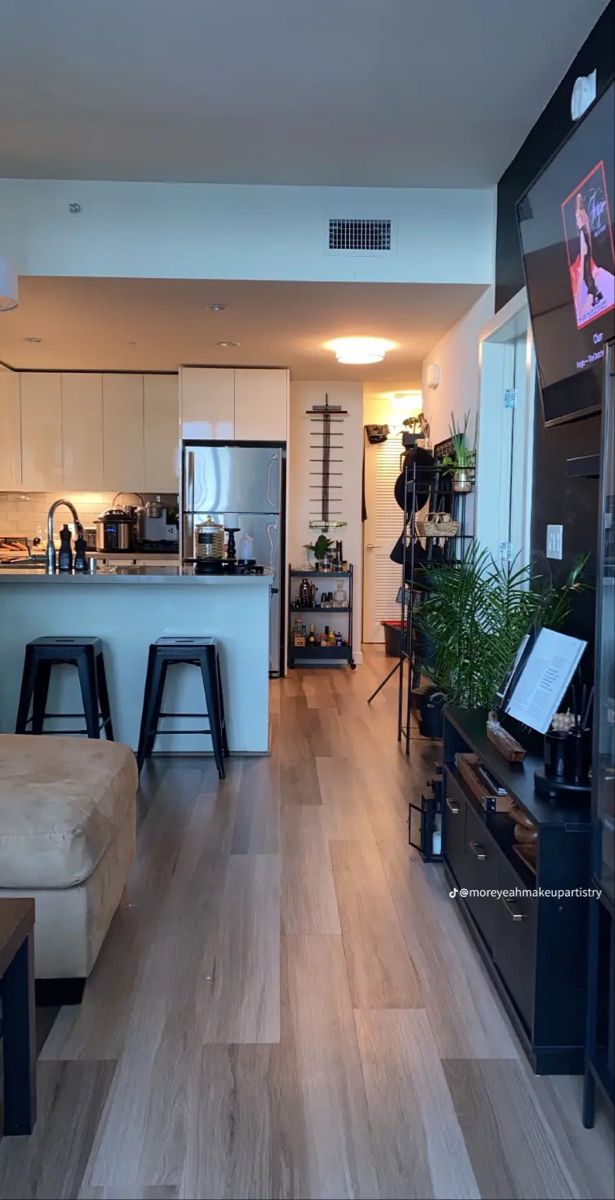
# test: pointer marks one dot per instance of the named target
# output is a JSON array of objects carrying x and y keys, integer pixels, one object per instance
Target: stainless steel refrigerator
[{"x": 240, "y": 485}]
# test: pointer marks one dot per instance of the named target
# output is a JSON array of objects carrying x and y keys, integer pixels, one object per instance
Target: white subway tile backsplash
[{"x": 26, "y": 512}]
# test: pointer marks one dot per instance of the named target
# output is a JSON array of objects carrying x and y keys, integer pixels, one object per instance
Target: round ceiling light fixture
[
  {"x": 217, "y": 307},
  {"x": 8, "y": 286},
  {"x": 360, "y": 350}
]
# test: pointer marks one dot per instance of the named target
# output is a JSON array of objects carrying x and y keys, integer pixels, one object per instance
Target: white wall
[
  {"x": 199, "y": 231},
  {"x": 350, "y": 395},
  {"x": 457, "y": 355}
]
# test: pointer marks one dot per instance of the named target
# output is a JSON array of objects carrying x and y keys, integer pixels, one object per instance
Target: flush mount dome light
[
  {"x": 8, "y": 285},
  {"x": 359, "y": 350}
]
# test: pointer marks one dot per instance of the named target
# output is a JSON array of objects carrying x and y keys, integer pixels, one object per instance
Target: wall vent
[{"x": 350, "y": 233}]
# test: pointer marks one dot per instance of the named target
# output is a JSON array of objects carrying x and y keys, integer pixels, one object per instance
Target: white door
[
  {"x": 123, "y": 433},
  {"x": 161, "y": 432},
  {"x": 505, "y": 434},
  {"x": 41, "y": 431},
  {"x": 207, "y": 403},
  {"x": 10, "y": 431},
  {"x": 381, "y": 577},
  {"x": 261, "y": 405},
  {"x": 82, "y": 431}
]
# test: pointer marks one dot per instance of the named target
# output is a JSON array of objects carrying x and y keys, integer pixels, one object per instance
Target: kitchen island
[{"x": 128, "y": 608}]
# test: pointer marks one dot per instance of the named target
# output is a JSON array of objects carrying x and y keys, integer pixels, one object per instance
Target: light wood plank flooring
[{"x": 288, "y": 1005}]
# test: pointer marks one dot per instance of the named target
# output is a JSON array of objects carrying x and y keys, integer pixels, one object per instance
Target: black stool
[
  {"x": 198, "y": 652},
  {"x": 84, "y": 653}
]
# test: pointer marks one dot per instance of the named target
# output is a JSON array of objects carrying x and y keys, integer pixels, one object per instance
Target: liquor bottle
[
  {"x": 311, "y": 637},
  {"x": 65, "y": 560}
]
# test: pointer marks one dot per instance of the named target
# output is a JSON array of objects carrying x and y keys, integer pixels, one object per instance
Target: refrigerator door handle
[
  {"x": 270, "y": 465},
  {"x": 272, "y": 564}
]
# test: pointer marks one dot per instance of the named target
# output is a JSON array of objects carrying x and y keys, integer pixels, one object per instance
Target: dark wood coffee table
[{"x": 18, "y": 1035}]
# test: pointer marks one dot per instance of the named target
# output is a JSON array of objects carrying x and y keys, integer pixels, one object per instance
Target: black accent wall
[{"x": 557, "y": 498}]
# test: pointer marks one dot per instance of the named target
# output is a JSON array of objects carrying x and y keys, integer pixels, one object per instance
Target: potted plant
[
  {"x": 321, "y": 549},
  {"x": 475, "y": 615},
  {"x": 462, "y": 460}
]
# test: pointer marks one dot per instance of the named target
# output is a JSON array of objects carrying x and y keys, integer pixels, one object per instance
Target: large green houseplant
[{"x": 474, "y": 617}]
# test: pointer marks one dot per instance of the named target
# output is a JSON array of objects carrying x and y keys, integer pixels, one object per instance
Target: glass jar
[
  {"x": 340, "y": 596},
  {"x": 209, "y": 540}
]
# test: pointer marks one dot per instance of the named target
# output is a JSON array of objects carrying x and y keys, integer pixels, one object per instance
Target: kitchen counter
[
  {"x": 128, "y": 574},
  {"x": 129, "y": 608}
]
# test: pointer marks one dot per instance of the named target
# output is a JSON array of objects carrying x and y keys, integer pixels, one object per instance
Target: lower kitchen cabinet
[{"x": 532, "y": 939}]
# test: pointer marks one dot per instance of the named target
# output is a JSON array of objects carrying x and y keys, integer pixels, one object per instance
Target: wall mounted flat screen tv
[{"x": 567, "y": 239}]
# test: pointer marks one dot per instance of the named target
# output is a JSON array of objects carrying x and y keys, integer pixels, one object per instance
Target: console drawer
[
  {"x": 455, "y": 806},
  {"x": 515, "y": 942},
  {"x": 482, "y": 863}
]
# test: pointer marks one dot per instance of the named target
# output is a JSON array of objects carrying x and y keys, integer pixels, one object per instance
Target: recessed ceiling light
[
  {"x": 34, "y": 340},
  {"x": 227, "y": 343},
  {"x": 360, "y": 350},
  {"x": 217, "y": 307}
]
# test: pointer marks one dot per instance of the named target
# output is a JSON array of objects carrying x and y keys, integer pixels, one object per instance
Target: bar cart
[{"x": 317, "y": 655}]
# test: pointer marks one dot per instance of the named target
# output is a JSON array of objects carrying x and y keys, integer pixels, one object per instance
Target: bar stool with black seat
[
  {"x": 201, "y": 652},
  {"x": 45, "y": 653}
]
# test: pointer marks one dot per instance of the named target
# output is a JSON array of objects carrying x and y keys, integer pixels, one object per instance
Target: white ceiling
[
  {"x": 347, "y": 92},
  {"x": 88, "y": 324}
]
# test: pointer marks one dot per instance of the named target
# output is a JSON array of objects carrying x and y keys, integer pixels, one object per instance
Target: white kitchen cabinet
[
  {"x": 41, "y": 431},
  {"x": 123, "y": 433},
  {"x": 161, "y": 432},
  {"x": 10, "y": 431},
  {"x": 261, "y": 404},
  {"x": 207, "y": 403},
  {"x": 82, "y": 431}
]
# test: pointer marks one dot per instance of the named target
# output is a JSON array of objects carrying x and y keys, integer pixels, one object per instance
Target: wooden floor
[{"x": 287, "y": 1004}]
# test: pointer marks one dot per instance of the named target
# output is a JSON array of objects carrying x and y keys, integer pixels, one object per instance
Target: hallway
[{"x": 287, "y": 1004}]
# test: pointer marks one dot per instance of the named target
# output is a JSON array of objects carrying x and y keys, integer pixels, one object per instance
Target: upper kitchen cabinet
[
  {"x": 207, "y": 403},
  {"x": 261, "y": 405},
  {"x": 41, "y": 431},
  {"x": 161, "y": 432},
  {"x": 82, "y": 431},
  {"x": 123, "y": 433},
  {"x": 10, "y": 431}
]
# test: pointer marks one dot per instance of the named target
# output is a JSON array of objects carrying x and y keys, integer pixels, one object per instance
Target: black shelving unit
[
  {"x": 433, "y": 486},
  {"x": 320, "y": 656}
]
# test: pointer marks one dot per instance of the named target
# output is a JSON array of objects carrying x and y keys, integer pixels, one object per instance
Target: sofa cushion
[{"x": 62, "y": 800}]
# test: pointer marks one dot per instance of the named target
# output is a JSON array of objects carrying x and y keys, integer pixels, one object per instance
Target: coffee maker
[{"x": 154, "y": 525}]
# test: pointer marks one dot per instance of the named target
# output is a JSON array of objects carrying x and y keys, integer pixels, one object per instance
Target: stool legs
[
  {"x": 41, "y": 692},
  {"x": 225, "y": 748},
  {"x": 103, "y": 696},
  {"x": 86, "y": 666},
  {"x": 211, "y": 685},
  {"x": 28, "y": 681},
  {"x": 152, "y": 703}
]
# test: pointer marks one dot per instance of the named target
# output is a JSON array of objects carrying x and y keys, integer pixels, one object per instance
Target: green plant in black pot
[
  {"x": 321, "y": 548},
  {"x": 474, "y": 617},
  {"x": 462, "y": 460}
]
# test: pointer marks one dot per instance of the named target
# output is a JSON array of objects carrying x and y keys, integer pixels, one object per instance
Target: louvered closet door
[{"x": 381, "y": 577}]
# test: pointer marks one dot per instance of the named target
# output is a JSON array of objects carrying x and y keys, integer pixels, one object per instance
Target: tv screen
[{"x": 567, "y": 238}]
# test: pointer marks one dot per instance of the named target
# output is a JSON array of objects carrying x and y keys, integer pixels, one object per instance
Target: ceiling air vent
[{"x": 346, "y": 233}]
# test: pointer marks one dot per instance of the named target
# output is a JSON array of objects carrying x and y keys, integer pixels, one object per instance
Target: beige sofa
[{"x": 67, "y": 838}]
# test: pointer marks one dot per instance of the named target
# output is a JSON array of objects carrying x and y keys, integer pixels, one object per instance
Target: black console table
[
  {"x": 18, "y": 1035},
  {"x": 534, "y": 947}
]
